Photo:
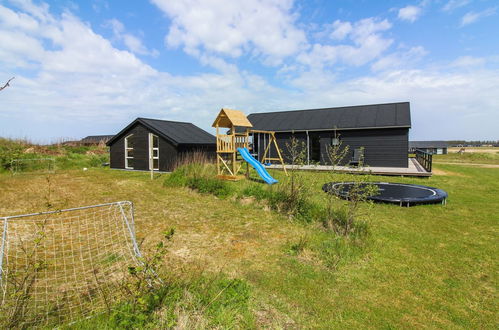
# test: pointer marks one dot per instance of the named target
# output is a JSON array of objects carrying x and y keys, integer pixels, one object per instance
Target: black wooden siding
[
  {"x": 382, "y": 147},
  {"x": 168, "y": 152}
]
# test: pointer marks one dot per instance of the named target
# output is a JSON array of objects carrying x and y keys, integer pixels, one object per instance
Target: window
[
  {"x": 129, "y": 151},
  {"x": 153, "y": 152}
]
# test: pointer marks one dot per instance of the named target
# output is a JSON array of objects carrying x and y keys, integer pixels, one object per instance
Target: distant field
[
  {"x": 476, "y": 157},
  {"x": 476, "y": 149},
  {"x": 422, "y": 267}
]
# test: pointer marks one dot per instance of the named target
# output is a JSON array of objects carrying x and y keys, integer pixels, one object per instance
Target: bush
[
  {"x": 257, "y": 191},
  {"x": 209, "y": 185},
  {"x": 177, "y": 178},
  {"x": 200, "y": 177}
]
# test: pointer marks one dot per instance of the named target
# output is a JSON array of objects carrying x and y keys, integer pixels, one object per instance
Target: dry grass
[
  {"x": 427, "y": 266},
  {"x": 203, "y": 223},
  {"x": 475, "y": 150}
]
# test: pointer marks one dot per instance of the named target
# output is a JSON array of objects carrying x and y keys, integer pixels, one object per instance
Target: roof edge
[{"x": 329, "y": 108}]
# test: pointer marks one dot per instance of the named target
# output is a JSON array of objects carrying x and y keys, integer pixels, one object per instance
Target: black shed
[
  {"x": 155, "y": 144},
  {"x": 382, "y": 130}
]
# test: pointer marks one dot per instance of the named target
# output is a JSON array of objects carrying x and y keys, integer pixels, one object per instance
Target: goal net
[
  {"x": 27, "y": 165},
  {"x": 58, "y": 267}
]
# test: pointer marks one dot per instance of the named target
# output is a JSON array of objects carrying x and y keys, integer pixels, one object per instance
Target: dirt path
[{"x": 469, "y": 164}]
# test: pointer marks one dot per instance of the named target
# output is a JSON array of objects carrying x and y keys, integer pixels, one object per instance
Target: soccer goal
[
  {"x": 32, "y": 165},
  {"x": 58, "y": 267}
]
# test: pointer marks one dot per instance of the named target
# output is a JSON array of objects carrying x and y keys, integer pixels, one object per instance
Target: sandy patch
[{"x": 446, "y": 173}]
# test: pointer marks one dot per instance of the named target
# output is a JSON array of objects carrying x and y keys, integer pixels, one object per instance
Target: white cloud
[
  {"x": 409, "y": 13},
  {"x": 233, "y": 28},
  {"x": 406, "y": 59},
  {"x": 472, "y": 17},
  {"x": 468, "y": 61},
  {"x": 71, "y": 81},
  {"x": 341, "y": 30},
  {"x": 366, "y": 44},
  {"x": 461, "y": 105},
  {"x": 455, "y": 4},
  {"x": 133, "y": 43}
]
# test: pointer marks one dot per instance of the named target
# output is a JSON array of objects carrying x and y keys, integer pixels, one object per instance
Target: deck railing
[
  {"x": 230, "y": 143},
  {"x": 424, "y": 159}
]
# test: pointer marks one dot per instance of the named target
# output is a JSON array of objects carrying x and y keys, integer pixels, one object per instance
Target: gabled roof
[
  {"x": 351, "y": 117},
  {"x": 228, "y": 118},
  {"x": 96, "y": 138},
  {"x": 174, "y": 131},
  {"x": 428, "y": 144}
]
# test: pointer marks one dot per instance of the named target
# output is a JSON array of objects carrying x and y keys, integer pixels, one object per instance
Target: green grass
[
  {"x": 26, "y": 155},
  {"x": 469, "y": 157},
  {"x": 429, "y": 266}
]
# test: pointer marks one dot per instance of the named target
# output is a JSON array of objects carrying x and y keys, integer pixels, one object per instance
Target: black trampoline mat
[{"x": 406, "y": 194}]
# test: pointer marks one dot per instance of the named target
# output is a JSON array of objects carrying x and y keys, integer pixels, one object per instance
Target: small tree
[
  {"x": 339, "y": 218},
  {"x": 336, "y": 151},
  {"x": 291, "y": 196},
  {"x": 297, "y": 152}
]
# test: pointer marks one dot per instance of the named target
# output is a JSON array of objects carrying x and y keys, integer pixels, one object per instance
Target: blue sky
[{"x": 90, "y": 67}]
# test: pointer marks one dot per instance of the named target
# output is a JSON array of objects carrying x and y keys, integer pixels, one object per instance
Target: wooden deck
[{"x": 414, "y": 169}]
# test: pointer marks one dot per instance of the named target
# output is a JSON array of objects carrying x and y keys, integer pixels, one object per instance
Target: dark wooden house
[
  {"x": 380, "y": 131},
  {"x": 151, "y": 144},
  {"x": 431, "y": 147}
]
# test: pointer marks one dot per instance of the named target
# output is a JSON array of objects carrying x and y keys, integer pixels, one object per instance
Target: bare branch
[{"x": 7, "y": 84}]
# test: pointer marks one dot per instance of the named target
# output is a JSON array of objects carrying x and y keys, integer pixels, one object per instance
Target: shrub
[
  {"x": 177, "y": 178},
  {"x": 257, "y": 191},
  {"x": 209, "y": 185}
]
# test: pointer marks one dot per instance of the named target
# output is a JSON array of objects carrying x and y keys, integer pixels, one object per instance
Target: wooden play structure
[{"x": 229, "y": 164}]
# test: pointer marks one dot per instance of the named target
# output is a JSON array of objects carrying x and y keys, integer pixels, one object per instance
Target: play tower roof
[{"x": 229, "y": 118}]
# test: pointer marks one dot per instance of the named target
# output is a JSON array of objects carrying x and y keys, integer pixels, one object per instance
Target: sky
[{"x": 91, "y": 67}]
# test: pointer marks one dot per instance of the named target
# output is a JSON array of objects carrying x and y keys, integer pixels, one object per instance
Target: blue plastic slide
[{"x": 257, "y": 166}]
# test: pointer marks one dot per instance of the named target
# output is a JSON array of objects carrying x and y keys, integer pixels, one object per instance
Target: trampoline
[{"x": 397, "y": 193}]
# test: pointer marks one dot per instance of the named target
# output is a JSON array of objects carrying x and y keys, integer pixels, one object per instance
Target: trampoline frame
[{"x": 437, "y": 196}]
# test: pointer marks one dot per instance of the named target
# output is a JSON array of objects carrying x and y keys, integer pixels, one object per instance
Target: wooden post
[
  {"x": 217, "y": 154},
  {"x": 234, "y": 150}
]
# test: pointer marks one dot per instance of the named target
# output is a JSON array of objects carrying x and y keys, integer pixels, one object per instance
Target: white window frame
[
  {"x": 127, "y": 148},
  {"x": 151, "y": 152}
]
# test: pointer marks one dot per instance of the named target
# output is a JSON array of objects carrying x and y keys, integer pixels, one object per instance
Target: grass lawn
[{"x": 424, "y": 266}]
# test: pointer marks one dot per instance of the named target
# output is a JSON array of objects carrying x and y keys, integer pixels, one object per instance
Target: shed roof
[
  {"x": 174, "y": 131},
  {"x": 428, "y": 144},
  {"x": 351, "y": 117},
  {"x": 229, "y": 118}
]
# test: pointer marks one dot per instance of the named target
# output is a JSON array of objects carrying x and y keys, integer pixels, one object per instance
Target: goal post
[{"x": 60, "y": 266}]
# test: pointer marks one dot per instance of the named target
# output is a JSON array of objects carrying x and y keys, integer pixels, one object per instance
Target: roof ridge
[
  {"x": 164, "y": 120},
  {"x": 330, "y": 108}
]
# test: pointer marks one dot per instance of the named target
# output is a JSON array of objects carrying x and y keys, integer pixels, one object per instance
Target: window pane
[
  {"x": 155, "y": 164},
  {"x": 130, "y": 162},
  {"x": 155, "y": 141},
  {"x": 155, "y": 153},
  {"x": 129, "y": 153},
  {"x": 129, "y": 141}
]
